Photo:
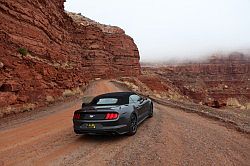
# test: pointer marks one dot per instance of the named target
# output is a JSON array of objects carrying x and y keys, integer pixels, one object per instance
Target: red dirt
[{"x": 171, "y": 137}]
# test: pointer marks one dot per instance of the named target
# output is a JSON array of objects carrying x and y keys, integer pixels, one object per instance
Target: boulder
[
  {"x": 7, "y": 98},
  {"x": 10, "y": 86},
  {"x": 1, "y": 65}
]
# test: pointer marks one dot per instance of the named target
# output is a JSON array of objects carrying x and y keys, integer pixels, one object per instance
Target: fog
[{"x": 167, "y": 30}]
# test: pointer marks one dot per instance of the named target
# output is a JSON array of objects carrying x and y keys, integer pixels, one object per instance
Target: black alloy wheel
[
  {"x": 151, "y": 112},
  {"x": 133, "y": 125}
]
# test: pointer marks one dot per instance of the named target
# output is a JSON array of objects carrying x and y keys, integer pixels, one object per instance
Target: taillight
[
  {"x": 110, "y": 116},
  {"x": 76, "y": 116}
]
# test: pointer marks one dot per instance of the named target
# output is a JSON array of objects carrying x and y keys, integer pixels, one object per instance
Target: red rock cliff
[
  {"x": 214, "y": 82},
  {"x": 62, "y": 53}
]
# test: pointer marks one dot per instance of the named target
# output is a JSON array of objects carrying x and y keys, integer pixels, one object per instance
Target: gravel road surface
[{"x": 171, "y": 137}]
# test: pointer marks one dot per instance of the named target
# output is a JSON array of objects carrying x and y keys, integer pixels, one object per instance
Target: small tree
[{"x": 23, "y": 51}]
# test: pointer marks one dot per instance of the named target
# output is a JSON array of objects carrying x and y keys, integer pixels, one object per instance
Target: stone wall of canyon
[
  {"x": 63, "y": 53},
  {"x": 220, "y": 81}
]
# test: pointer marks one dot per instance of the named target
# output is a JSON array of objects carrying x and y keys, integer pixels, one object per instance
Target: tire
[
  {"x": 132, "y": 125},
  {"x": 151, "y": 113}
]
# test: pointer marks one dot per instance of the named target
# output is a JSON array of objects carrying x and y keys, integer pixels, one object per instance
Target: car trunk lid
[{"x": 97, "y": 112}]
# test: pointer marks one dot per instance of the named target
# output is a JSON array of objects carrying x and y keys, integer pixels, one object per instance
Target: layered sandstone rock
[
  {"x": 44, "y": 51},
  {"x": 213, "y": 83}
]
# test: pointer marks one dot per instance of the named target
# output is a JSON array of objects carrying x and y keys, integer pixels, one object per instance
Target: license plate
[{"x": 91, "y": 125}]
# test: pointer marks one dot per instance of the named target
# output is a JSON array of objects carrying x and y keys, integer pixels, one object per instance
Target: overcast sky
[{"x": 174, "y": 29}]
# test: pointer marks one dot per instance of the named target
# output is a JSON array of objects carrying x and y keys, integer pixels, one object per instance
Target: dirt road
[{"x": 172, "y": 137}]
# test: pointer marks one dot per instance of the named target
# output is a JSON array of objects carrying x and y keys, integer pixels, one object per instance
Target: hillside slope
[
  {"x": 218, "y": 82},
  {"x": 46, "y": 54}
]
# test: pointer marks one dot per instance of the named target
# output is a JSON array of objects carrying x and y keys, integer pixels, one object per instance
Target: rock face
[
  {"x": 44, "y": 51},
  {"x": 214, "y": 83}
]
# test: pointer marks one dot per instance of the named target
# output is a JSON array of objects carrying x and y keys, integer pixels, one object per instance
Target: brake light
[
  {"x": 76, "y": 116},
  {"x": 110, "y": 116}
]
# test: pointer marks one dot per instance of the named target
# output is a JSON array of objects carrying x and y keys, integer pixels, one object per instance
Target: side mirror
[{"x": 140, "y": 99}]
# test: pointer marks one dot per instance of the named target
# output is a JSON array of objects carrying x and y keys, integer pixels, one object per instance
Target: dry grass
[
  {"x": 247, "y": 105},
  {"x": 72, "y": 92},
  {"x": 233, "y": 102},
  {"x": 68, "y": 93},
  {"x": 28, "y": 107},
  {"x": 13, "y": 110}
]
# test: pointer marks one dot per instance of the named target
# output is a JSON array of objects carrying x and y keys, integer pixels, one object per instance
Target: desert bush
[
  {"x": 77, "y": 91},
  {"x": 233, "y": 102},
  {"x": 248, "y": 106},
  {"x": 68, "y": 93},
  {"x": 13, "y": 110},
  {"x": 73, "y": 92},
  {"x": 6, "y": 111},
  {"x": 28, "y": 107},
  {"x": 23, "y": 51}
]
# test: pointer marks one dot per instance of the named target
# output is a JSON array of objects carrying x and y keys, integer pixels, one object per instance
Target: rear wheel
[
  {"x": 151, "y": 112},
  {"x": 132, "y": 125}
]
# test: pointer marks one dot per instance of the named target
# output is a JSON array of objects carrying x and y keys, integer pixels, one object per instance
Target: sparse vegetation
[
  {"x": 233, "y": 102},
  {"x": 23, "y": 51},
  {"x": 14, "y": 110},
  {"x": 6, "y": 111},
  {"x": 28, "y": 107},
  {"x": 82, "y": 20},
  {"x": 248, "y": 106},
  {"x": 68, "y": 93},
  {"x": 73, "y": 92}
]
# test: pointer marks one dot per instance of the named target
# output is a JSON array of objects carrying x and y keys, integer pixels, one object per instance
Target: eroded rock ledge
[
  {"x": 45, "y": 52},
  {"x": 218, "y": 82}
]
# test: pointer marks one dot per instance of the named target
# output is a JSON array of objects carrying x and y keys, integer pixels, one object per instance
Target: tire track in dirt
[
  {"x": 171, "y": 137},
  {"x": 26, "y": 143}
]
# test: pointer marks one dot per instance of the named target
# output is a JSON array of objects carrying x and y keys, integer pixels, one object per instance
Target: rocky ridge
[
  {"x": 45, "y": 54},
  {"x": 220, "y": 81}
]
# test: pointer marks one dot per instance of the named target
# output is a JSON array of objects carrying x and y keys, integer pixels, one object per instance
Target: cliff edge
[{"x": 47, "y": 53}]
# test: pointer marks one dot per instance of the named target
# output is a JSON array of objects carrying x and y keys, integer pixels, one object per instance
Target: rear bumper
[
  {"x": 120, "y": 129},
  {"x": 116, "y": 126}
]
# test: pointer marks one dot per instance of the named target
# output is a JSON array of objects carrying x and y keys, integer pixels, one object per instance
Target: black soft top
[{"x": 123, "y": 97}]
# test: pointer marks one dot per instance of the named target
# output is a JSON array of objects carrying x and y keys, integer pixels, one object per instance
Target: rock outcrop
[
  {"x": 215, "y": 83},
  {"x": 44, "y": 51}
]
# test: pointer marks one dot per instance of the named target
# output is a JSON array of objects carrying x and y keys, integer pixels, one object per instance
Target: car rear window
[
  {"x": 109, "y": 100},
  {"x": 106, "y": 101}
]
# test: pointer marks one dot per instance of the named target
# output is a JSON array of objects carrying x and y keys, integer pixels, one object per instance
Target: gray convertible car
[{"x": 113, "y": 113}]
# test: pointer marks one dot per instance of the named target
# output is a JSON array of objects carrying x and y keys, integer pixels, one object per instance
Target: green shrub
[{"x": 23, "y": 51}]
